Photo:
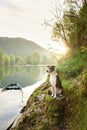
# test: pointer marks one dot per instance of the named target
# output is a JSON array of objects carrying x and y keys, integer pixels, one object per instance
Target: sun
[
  {"x": 59, "y": 49},
  {"x": 63, "y": 49}
]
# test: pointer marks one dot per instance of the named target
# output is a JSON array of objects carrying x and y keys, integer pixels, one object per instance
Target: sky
[{"x": 24, "y": 18}]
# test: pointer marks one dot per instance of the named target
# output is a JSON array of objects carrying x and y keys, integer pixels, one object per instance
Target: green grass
[
  {"x": 73, "y": 73},
  {"x": 73, "y": 66},
  {"x": 45, "y": 126}
]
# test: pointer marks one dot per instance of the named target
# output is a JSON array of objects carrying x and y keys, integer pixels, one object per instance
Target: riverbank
[
  {"x": 44, "y": 112},
  {"x": 28, "y": 90}
]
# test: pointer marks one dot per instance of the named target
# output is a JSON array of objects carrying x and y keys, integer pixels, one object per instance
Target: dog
[{"x": 56, "y": 85}]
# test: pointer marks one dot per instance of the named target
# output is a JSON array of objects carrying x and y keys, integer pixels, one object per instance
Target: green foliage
[
  {"x": 77, "y": 108},
  {"x": 73, "y": 66},
  {"x": 82, "y": 23},
  {"x": 6, "y": 60},
  {"x": 52, "y": 106},
  {"x": 45, "y": 126},
  {"x": 19, "y": 60},
  {"x": 66, "y": 84},
  {"x": 73, "y": 72},
  {"x": 12, "y": 60},
  {"x": 28, "y": 60},
  {"x": 72, "y": 27},
  {"x": 84, "y": 77},
  {"x": 35, "y": 58},
  {"x": 49, "y": 99},
  {"x": 44, "y": 60}
]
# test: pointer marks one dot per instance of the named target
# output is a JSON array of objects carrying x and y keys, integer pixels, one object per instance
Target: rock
[
  {"x": 41, "y": 97},
  {"x": 23, "y": 109}
]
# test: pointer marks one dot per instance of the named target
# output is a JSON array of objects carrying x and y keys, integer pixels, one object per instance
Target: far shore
[{"x": 26, "y": 65}]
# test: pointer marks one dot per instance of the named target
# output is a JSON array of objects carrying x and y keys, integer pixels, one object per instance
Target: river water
[{"x": 12, "y": 101}]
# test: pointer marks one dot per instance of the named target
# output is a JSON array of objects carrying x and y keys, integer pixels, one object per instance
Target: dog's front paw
[{"x": 54, "y": 96}]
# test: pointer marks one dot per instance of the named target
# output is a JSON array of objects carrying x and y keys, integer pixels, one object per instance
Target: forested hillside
[
  {"x": 14, "y": 51},
  {"x": 20, "y": 47}
]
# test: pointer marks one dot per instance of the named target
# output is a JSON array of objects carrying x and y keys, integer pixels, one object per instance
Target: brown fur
[{"x": 59, "y": 84}]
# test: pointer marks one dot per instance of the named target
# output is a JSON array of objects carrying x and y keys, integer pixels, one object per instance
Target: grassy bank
[
  {"x": 73, "y": 72},
  {"x": 70, "y": 113}
]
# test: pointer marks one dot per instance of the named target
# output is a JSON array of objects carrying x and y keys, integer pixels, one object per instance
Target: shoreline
[
  {"x": 25, "y": 95},
  {"x": 27, "y": 92}
]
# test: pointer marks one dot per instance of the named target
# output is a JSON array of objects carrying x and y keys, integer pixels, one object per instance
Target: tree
[
  {"x": 44, "y": 60},
  {"x": 12, "y": 60},
  {"x": 28, "y": 60},
  {"x": 35, "y": 58},
  {"x": 22, "y": 61},
  {"x": 56, "y": 24},
  {"x": 19, "y": 60},
  {"x": 76, "y": 25},
  {"x": 82, "y": 23},
  {"x": 71, "y": 25},
  {"x": 70, "y": 20},
  {"x": 6, "y": 60}
]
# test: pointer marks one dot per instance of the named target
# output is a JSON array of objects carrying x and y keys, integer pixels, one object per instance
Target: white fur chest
[{"x": 53, "y": 79}]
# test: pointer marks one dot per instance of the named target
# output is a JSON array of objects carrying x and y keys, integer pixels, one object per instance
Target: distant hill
[{"x": 21, "y": 47}]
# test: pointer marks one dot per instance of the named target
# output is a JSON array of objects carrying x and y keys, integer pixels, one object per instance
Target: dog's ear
[{"x": 54, "y": 66}]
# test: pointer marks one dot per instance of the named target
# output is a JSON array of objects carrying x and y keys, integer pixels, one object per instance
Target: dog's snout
[{"x": 47, "y": 71}]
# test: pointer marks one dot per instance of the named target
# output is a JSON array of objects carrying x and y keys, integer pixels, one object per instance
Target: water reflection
[
  {"x": 12, "y": 101},
  {"x": 24, "y": 75}
]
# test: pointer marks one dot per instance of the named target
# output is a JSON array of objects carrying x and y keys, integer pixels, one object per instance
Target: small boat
[{"x": 13, "y": 86}]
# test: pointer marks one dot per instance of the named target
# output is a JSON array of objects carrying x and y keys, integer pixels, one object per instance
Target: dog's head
[{"x": 50, "y": 69}]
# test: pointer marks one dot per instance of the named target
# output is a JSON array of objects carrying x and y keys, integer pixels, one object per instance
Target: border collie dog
[{"x": 56, "y": 85}]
